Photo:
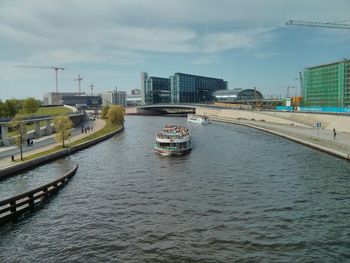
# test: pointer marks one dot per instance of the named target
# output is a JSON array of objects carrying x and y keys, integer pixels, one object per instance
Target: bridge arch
[{"x": 162, "y": 109}]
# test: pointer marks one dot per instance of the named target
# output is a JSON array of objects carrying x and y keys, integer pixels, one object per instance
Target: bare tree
[
  {"x": 19, "y": 127},
  {"x": 62, "y": 128}
]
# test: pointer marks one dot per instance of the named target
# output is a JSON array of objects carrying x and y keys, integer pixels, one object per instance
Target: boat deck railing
[{"x": 171, "y": 148}]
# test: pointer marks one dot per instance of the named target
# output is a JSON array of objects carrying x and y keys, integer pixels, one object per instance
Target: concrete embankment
[
  {"x": 289, "y": 137},
  {"x": 339, "y": 122},
  {"x": 19, "y": 167},
  {"x": 244, "y": 115},
  {"x": 290, "y": 127},
  {"x": 328, "y": 121}
]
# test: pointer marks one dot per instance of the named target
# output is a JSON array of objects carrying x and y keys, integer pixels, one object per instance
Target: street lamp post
[{"x": 69, "y": 145}]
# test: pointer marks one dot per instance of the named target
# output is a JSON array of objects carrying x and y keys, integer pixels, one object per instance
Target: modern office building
[
  {"x": 144, "y": 77},
  {"x": 88, "y": 100},
  {"x": 179, "y": 88},
  {"x": 158, "y": 90},
  {"x": 154, "y": 89},
  {"x": 192, "y": 88},
  {"x": 135, "y": 92},
  {"x": 121, "y": 98},
  {"x": 327, "y": 85},
  {"x": 71, "y": 98},
  {"x": 56, "y": 98}
]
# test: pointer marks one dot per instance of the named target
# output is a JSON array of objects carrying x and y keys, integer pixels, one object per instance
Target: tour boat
[
  {"x": 173, "y": 140},
  {"x": 201, "y": 119}
]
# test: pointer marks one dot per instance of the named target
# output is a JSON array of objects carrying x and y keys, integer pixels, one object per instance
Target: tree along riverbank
[{"x": 43, "y": 157}]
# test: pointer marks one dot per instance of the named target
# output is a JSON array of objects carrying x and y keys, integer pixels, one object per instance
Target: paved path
[
  {"x": 7, "y": 151},
  {"x": 320, "y": 137},
  {"x": 45, "y": 143}
]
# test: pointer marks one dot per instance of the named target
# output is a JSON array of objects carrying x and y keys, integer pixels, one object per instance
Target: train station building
[{"x": 179, "y": 88}]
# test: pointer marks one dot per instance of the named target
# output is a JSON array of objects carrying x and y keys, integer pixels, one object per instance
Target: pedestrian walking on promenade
[{"x": 334, "y": 134}]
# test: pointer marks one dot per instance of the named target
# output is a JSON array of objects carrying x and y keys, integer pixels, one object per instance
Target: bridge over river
[{"x": 165, "y": 109}]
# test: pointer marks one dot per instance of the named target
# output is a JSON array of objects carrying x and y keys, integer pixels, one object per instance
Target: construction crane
[
  {"x": 300, "y": 78},
  {"x": 317, "y": 24},
  {"x": 92, "y": 89},
  {"x": 79, "y": 79},
  {"x": 55, "y": 68}
]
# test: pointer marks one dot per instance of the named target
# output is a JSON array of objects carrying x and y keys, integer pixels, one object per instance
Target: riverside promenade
[
  {"x": 43, "y": 144},
  {"x": 318, "y": 138},
  {"x": 298, "y": 127}
]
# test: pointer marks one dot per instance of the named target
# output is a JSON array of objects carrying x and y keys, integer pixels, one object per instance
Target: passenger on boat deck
[{"x": 173, "y": 131}]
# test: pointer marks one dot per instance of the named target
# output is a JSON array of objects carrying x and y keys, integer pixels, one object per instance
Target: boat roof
[{"x": 174, "y": 130}]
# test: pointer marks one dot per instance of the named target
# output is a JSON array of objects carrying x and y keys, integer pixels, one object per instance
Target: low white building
[
  {"x": 114, "y": 98},
  {"x": 135, "y": 92},
  {"x": 133, "y": 100}
]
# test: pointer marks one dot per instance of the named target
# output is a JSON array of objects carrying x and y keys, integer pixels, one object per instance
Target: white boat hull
[
  {"x": 165, "y": 152},
  {"x": 173, "y": 140},
  {"x": 198, "y": 119}
]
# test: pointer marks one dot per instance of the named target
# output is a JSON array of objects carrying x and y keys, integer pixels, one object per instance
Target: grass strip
[
  {"x": 54, "y": 111},
  {"x": 33, "y": 156},
  {"x": 105, "y": 130}
]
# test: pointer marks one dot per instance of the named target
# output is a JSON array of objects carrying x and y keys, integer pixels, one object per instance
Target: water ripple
[{"x": 240, "y": 196}]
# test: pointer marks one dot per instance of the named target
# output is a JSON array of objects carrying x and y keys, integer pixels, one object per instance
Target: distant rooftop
[{"x": 328, "y": 64}]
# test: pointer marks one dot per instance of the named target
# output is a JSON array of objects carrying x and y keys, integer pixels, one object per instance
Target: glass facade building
[
  {"x": 179, "y": 88},
  {"x": 157, "y": 90},
  {"x": 327, "y": 85},
  {"x": 143, "y": 77},
  {"x": 191, "y": 88},
  {"x": 238, "y": 95},
  {"x": 154, "y": 89}
]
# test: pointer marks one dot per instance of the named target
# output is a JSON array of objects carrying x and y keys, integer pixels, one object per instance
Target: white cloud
[
  {"x": 96, "y": 34},
  {"x": 69, "y": 30},
  {"x": 265, "y": 55},
  {"x": 205, "y": 60},
  {"x": 223, "y": 41}
]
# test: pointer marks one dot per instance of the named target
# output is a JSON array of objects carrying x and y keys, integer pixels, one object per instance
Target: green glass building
[{"x": 327, "y": 85}]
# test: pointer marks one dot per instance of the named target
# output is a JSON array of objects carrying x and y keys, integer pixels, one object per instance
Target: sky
[{"x": 110, "y": 42}]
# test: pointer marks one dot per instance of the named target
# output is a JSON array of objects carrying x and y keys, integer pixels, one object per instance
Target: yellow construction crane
[
  {"x": 317, "y": 24},
  {"x": 55, "y": 68}
]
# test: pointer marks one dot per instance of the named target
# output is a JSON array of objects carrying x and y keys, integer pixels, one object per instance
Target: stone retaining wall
[
  {"x": 339, "y": 122},
  {"x": 244, "y": 115}
]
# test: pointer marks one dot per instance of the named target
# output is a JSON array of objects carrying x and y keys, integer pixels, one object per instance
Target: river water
[{"x": 241, "y": 195}]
